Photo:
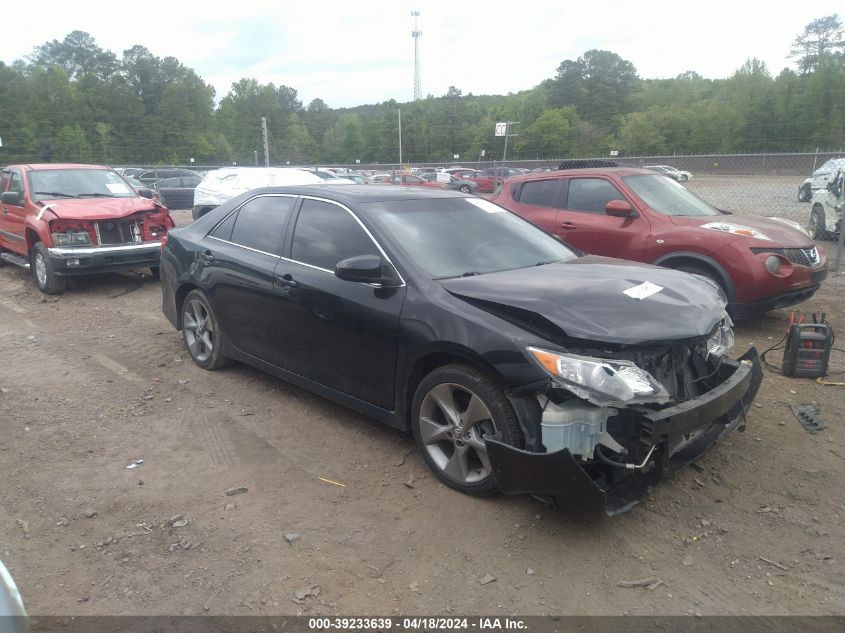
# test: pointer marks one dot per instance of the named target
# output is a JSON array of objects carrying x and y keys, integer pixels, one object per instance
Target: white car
[
  {"x": 221, "y": 185},
  {"x": 826, "y": 212},
  {"x": 667, "y": 170},
  {"x": 819, "y": 179}
]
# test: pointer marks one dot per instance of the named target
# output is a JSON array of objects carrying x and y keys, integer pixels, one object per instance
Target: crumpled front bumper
[
  {"x": 561, "y": 476},
  {"x": 99, "y": 259}
]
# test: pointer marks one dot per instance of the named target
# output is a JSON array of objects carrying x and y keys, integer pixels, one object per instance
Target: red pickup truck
[{"x": 62, "y": 220}]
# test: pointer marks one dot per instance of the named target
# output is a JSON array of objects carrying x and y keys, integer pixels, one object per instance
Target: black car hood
[{"x": 583, "y": 299}]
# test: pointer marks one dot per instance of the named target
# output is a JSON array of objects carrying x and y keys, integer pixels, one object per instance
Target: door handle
[
  {"x": 566, "y": 226},
  {"x": 207, "y": 257},
  {"x": 286, "y": 281}
]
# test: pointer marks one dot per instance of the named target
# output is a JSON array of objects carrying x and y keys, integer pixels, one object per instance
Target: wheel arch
[
  {"x": 32, "y": 238},
  {"x": 427, "y": 362},
  {"x": 681, "y": 258},
  {"x": 179, "y": 298}
]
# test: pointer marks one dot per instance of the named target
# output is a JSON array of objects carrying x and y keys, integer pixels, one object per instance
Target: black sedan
[{"x": 518, "y": 364}]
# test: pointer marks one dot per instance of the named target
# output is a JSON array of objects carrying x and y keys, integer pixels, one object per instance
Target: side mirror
[
  {"x": 11, "y": 197},
  {"x": 146, "y": 193},
  {"x": 367, "y": 269},
  {"x": 619, "y": 209}
]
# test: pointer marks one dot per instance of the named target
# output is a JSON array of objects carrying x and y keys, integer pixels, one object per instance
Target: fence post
[{"x": 837, "y": 266}]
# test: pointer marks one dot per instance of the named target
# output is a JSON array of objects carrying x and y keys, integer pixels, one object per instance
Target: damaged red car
[{"x": 63, "y": 220}]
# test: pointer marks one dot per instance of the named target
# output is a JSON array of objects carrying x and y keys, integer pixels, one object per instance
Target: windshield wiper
[
  {"x": 94, "y": 195},
  {"x": 470, "y": 273},
  {"x": 53, "y": 193},
  {"x": 551, "y": 261}
]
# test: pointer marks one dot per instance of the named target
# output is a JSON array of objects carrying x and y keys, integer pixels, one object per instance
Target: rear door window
[
  {"x": 591, "y": 195},
  {"x": 542, "y": 193},
  {"x": 260, "y": 223}
]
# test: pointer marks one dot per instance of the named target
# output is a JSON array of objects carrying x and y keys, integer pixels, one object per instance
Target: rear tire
[
  {"x": 46, "y": 278},
  {"x": 817, "y": 227},
  {"x": 201, "y": 331},
  {"x": 455, "y": 408},
  {"x": 464, "y": 188},
  {"x": 155, "y": 272}
]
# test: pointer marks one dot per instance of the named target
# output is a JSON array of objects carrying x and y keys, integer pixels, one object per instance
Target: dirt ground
[{"x": 96, "y": 379}]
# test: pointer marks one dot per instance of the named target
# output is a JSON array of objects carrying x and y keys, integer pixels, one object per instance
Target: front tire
[
  {"x": 454, "y": 410},
  {"x": 42, "y": 269},
  {"x": 817, "y": 227},
  {"x": 201, "y": 331},
  {"x": 464, "y": 188}
]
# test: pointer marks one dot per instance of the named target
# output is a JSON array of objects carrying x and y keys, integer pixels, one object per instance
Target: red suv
[
  {"x": 760, "y": 263},
  {"x": 64, "y": 220}
]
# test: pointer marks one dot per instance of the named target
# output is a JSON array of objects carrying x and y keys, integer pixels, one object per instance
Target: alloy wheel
[
  {"x": 199, "y": 332},
  {"x": 40, "y": 270},
  {"x": 454, "y": 423}
]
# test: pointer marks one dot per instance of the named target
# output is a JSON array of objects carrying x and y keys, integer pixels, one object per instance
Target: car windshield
[
  {"x": 453, "y": 237},
  {"x": 666, "y": 196},
  {"x": 51, "y": 184}
]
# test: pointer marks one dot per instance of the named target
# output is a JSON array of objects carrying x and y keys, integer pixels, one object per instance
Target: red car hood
[
  {"x": 99, "y": 208},
  {"x": 780, "y": 234}
]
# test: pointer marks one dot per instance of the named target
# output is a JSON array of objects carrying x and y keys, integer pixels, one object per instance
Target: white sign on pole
[
  {"x": 614, "y": 152},
  {"x": 456, "y": 156},
  {"x": 192, "y": 161},
  {"x": 357, "y": 161},
  {"x": 1, "y": 141},
  {"x": 483, "y": 153},
  {"x": 502, "y": 129}
]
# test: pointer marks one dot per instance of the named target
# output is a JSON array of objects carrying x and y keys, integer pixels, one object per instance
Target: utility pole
[
  {"x": 267, "y": 144},
  {"x": 255, "y": 154},
  {"x": 400, "y": 137},
  {"x": 508, "y": 125},
  {"x": 416, "y": 33}
]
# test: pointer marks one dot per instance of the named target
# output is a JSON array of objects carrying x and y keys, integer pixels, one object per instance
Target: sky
[{"x": 352, "y": 53}]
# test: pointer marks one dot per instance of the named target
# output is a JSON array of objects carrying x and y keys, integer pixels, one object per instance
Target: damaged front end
[
  {"x": 92, "y": 246},
  {"x": 609, "y": 423}
]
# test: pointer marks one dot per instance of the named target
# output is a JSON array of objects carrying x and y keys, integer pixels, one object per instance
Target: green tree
[
  {"x": 599, "y": 84},
  {"x": 72, "y": 146},
  {"x": 822, "y": 36},
  {"x": 78, "y": 54}
]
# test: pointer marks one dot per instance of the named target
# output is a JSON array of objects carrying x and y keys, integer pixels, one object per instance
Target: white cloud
[{"x": 348, "y": 53}]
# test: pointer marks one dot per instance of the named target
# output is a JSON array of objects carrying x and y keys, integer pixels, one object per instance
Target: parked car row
[{"x": 527, "y": 342}]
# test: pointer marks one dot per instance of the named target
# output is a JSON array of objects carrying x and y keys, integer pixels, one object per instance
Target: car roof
[
  {"x": 587, "y": 171},
  {"x": 359, "y": 194},
  {"x": 41, "y": 166}
]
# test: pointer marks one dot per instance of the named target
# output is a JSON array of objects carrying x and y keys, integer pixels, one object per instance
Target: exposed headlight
[
  {"x": 792, "y": 223},
  {"x": 736, "y": 229},
  {"x": 71, "y": 239},
  {"x": 601, "y": 381},
  {"x": 722, "y": 338}
]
